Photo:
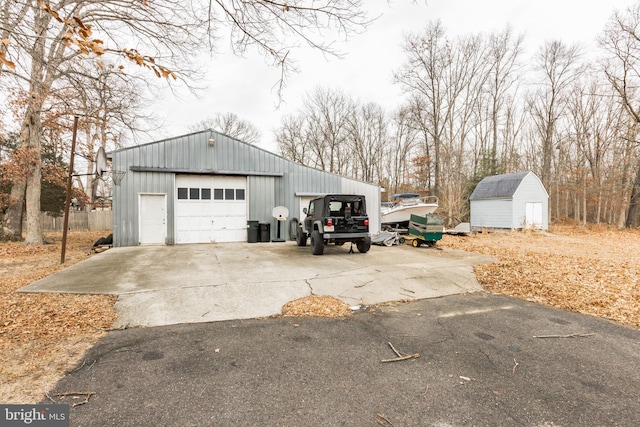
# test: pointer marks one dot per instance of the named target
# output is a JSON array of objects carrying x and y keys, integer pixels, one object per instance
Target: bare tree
[
  {"x": 558, "y": 66},
  {"x": 504, "y": 51},
  {"x": 42, "y": 44},
  {"x": 446, "y": 79},
  {"x": 398, "y": 152},
  {"x": 292, "y": 138},
  {"x": 232, "y": 125},
  {"x": 621, "y": 41},
  {"x": 327, "y": 111},
  {"x": 367, "y": 136},
  {"x": 424, "y": 74}
]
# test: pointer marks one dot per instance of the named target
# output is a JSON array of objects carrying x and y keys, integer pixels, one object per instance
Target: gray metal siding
[
  {"x": 261, "y": 199},
  {"x": 193, "y": 154}
]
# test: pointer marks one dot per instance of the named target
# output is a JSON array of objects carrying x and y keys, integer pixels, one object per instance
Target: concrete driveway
[{"x": 164, "y": 285}]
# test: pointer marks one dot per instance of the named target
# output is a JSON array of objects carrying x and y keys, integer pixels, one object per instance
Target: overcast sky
[{"x": 245, "y": 86}]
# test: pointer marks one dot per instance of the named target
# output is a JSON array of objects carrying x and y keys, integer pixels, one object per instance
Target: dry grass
[
  {"x": 588, "y": 270},
  {"x": 43, "y": 335},
  {"x": 592, "y": 270}
]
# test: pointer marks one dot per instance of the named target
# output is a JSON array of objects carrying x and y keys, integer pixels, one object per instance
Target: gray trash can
[
  {"x": 252, "y": 231},
  {"x": 265, "y": 232}
]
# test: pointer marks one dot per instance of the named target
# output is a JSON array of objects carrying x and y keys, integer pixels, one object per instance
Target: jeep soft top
[{"x": 337, "y": 219}]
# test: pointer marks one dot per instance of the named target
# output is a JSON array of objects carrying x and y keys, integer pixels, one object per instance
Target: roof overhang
[{"x": 203, "y": 172}]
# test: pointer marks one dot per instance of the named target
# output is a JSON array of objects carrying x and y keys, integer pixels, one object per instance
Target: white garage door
[{"x": 211, "y": 209}]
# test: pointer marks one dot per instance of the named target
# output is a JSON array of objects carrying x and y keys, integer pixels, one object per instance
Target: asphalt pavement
[{"x": 477, "y": 360}]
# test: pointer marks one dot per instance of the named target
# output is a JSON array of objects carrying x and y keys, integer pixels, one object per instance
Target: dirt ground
[{"x": 592, "y": 270}]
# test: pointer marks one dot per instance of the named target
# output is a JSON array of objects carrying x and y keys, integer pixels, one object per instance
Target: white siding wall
[
  {"x": 530, "y": 190},
  {"x": 511, "y": 213},
  {"x": 492, "y": 213}
]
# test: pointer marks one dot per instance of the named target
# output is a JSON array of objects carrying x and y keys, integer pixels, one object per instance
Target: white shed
[{"x": 511, "y": 201}]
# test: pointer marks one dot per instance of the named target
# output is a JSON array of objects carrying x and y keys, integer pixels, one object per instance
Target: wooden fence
[{"x": 78, "y": 220}]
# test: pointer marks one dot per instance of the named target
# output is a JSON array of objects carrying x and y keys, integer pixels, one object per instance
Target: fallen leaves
[
  {"x": 42, "y": 335},
  {"x": 316, "y": 306},
  {"x": 592, "y": 270}
]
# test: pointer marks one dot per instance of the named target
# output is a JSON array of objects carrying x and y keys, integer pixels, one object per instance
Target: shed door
[
  {"x": 153, "y": 219},
  {"x": 211, "y": 209},
  {"x": 533, "y": 215}
]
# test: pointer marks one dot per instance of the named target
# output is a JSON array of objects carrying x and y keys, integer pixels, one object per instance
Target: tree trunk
[
  {"x": 634, "y": 204},
  {"x": 31, "y": 136},
  {"x": 12, "y": 221},
  {"x": 34, "y": 227},
  {"x": 31, "y": 131}
]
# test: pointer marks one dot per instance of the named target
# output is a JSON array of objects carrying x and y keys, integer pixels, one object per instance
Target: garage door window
[
  {"x": 182, "y": 193},
  {"x": 206, "y": 194},
  {"x": 194, "y": 193},
  {"x": 228, "y": 194}
]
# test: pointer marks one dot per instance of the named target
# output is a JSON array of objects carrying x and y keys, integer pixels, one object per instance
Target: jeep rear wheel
[
  {"x": 317, "y": 244},
  {"x": 364, "y": 245}
]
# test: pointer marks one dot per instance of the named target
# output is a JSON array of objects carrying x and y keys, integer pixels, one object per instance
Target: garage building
[
  {"x": 204, "y": 187},
  {"x": 511, "y": 201}
]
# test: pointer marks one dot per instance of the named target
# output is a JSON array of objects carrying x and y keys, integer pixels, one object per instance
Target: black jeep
[{"x": 335, "y": 218}]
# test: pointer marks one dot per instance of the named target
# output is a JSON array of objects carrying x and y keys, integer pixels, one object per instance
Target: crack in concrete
[{"x": 309, "y": 285}]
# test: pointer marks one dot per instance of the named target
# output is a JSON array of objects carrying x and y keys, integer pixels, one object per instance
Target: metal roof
[{"x": 498, "y": 186}]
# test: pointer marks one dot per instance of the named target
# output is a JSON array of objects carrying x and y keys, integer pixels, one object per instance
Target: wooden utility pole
[{"x": 69, "y": 183}]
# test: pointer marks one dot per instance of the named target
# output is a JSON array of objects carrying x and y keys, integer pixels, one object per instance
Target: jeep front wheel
[
  {"x": 317, "y": 244},
  {"x": 301, "y": 237}
]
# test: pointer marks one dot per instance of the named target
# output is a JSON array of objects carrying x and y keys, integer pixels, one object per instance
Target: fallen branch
[
  {"x": 382, "y": 420},
  {"x": 84, "y": 362},
  {"x": 399, "y": 359},
  {"x": 394, "y": 350},
  {"x": 515, "y": 366},
  {"x": 564, "y": 336},
  {"x": 119, "y": 328},
  {"x": 401, "y": 356},
  {"x": 86, "y": 394}
]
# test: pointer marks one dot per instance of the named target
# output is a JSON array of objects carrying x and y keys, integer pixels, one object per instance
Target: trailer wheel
[{"x": 416, "y": 243}]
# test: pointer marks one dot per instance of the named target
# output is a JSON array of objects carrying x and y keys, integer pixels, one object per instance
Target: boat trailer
[{"x": 422, "y": 230}]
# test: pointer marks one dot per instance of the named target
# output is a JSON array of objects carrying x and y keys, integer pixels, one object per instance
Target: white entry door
[
  {"x": 153, "y": 219},
  {"x": 533, "y": 215}
]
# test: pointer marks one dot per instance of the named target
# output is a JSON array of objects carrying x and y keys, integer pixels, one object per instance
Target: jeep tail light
[
  {"x": 366, "y": 222},
  {"x": 330, "y": 222}
]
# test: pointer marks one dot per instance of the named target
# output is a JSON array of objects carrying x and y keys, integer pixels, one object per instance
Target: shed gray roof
[{"x": 498, "y": 186}]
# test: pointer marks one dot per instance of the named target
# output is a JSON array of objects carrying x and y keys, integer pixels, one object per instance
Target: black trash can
[
  {"x": 265, "y": 232},
  {"x": 252, "y": 231}
]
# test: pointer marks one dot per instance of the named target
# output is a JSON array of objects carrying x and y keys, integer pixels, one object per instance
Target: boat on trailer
[{"x": 397, "y": 212}]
